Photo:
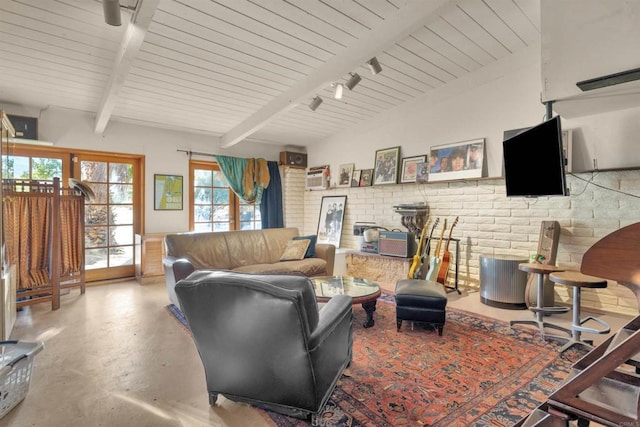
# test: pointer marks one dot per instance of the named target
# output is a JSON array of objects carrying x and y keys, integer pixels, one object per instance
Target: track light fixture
[
  {"x": 111, "y": 10},
  {"x": 374, "y": 65},
  {"x": 338, "y": 89},
  {"x": 315, "y": 103},
  {"x": 353, "y": 81}
]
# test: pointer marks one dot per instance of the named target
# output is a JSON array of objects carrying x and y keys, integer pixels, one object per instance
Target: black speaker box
[
  {"x": 26, "y": 127},
  {"x": 294, "y": 160}
]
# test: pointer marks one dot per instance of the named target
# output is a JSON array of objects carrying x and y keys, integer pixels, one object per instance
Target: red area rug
[{"x": 481, "y": 372}]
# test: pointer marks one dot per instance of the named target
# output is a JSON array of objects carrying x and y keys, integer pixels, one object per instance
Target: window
[
  {"x": 32, "y": 168},
  {"x": 214, "y": 207}
]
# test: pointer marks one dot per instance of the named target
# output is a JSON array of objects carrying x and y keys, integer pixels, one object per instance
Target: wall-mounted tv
[{"x": 534, "y": 161}]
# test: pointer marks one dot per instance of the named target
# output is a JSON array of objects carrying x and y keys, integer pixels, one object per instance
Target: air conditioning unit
[{"x": 317, "y": 178}]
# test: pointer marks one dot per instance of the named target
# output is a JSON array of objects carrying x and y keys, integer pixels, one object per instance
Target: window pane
[
  {"x": 219, "y": 180},
  {"x": 246, "y": 225},
  {"x": 121, "y": 215},
  {"x": 95, "y": 237},
  {"x": 202, "y": 178},
  {"x": 96, "y": 214},
  {"x": 203, "y": 226},
  {"x": 202, "y": 213},
  {"x": 121, "y": 235},
  {"x": 122, "y": 255},
  {"x": 101, "y": 193},
  {"x": 45, "y": 168},
  {"x": 95, "y": 258},
  {"x": 221, "y": 196},
  {"x": 121, "y": 173},
  {"x": 15, "y": 167},
  {"x": 93, "y": 171},
  {"x": 120, "y": 193},
  {"x": 202, "y": 195},
  {"x": 221, "y": 213},
  {"x": 221, "y": 226}
]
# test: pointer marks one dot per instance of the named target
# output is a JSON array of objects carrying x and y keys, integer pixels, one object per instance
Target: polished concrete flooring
[{"x": 115, "y": 357}]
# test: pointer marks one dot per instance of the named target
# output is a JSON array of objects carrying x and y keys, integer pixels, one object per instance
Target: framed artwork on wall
[
  {"x": 385, "y": 170},
  {"x": 459, "y": 160},
  {"x": 422, "y": 173},
  {"x": 167, "y": 192},
  {"x": 366, "y": 177},
  {"x": 330, "y": 220},
  {"x": 410, "y": 168},
  {"x": 355, "y": 178},
  {"x": 344, "y": 176}
]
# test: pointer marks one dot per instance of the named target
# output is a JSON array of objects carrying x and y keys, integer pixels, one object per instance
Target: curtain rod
[{"x": 197, "y": 153}]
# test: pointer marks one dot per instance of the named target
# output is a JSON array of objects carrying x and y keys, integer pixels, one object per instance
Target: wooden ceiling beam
[
  {"x": 409, "y": 19},
  {"x": 127, "y": 53}
]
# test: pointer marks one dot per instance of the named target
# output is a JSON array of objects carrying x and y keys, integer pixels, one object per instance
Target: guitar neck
[
  {"x": 444, "y": 228},
  {"x": 446, "y": 247}
]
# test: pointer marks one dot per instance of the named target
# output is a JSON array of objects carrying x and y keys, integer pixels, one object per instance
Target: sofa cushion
[
  {"x": 311, "y": 250},
  {"x": 304, "y": 267},
  {"x": 296, "y": 249}
]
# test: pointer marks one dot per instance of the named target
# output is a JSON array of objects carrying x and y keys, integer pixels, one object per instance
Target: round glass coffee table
[{"x": 362, "y": 291}]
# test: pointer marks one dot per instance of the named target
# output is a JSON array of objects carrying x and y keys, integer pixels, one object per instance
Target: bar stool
[
  {"x": 540, "y": 310},
  {"x": 578, "y": 281}
]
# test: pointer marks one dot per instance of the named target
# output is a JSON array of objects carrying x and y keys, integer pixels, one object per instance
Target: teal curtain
[{"x": 247, "y": 178}]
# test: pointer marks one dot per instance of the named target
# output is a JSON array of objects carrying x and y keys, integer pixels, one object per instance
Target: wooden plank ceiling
[{"x": 247, "y": 69}]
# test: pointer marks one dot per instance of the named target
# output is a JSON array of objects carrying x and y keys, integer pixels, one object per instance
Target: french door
[{"x": 113, "y": 217}]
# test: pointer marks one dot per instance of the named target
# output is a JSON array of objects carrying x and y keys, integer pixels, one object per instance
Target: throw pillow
[
  {"x": 311, "y": 250},
  {"x": 295, "y": 250}
]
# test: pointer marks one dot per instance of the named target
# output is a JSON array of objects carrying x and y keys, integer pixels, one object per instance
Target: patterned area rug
[{"x": 481, "y": 372}]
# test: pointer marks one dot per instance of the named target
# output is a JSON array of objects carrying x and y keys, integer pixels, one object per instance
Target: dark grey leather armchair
[{"x": 263, "y": 341}]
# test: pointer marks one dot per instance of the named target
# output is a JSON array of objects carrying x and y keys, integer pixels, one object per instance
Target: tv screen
[{"x": 534, "y": 161}]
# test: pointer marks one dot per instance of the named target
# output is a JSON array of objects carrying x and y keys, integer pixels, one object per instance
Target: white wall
[
  {"x": 73, "y": 129},
  {"x": 506, "y": 95}
]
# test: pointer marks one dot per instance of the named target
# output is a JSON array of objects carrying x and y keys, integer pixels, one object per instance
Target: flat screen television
[{"x": 534, "y": 161}]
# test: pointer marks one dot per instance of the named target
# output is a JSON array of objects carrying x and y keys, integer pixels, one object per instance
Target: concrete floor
[{"x": 115, "y": 357}]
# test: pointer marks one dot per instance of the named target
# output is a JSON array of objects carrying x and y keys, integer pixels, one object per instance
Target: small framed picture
[
  {"x": 167, "y": 192},
  {"x": 422, "y": 173},
  {"x": 344, "y": 177},
  {"x": 355, "y": 178},
  {"x": 410, "y": 168},
  {"x": 385, "y": 170},
  {"x": 366, "y": 177}
]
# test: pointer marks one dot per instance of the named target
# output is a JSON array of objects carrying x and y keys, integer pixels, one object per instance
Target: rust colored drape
[
  {"x": 71, "y": 232},
  {"x": 27, "y": 228}
]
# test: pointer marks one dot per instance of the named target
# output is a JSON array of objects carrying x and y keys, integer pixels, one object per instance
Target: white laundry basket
[{"x": 16, "y": 361}]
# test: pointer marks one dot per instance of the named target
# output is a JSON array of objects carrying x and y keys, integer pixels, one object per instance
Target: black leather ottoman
[{"x": 421, "y": 301}]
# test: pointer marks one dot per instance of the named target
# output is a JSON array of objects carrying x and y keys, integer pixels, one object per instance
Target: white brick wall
[{"x": 490, "y": 223}]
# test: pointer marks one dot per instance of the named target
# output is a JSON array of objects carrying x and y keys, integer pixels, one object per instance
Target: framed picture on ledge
[
  {"x": 385, "y": 169},
  {"x": 330, "y": 220},
  {"x": 410, "y": 168},
  {"x": 459, "y": 160}
]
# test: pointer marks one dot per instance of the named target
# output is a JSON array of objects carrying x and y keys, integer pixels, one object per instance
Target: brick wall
[{"x": 490, "y": 223}]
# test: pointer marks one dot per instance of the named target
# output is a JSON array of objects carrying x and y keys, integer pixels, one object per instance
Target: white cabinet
[{"x": 586, "y": 39}]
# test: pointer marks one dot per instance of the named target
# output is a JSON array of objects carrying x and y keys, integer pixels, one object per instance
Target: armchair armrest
[
  {"x": 331, "y": 316},
  {"x": 327, "y": 252}
]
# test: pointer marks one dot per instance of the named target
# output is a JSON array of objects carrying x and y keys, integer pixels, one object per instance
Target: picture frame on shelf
[
  {"x": 422, "y": 173},
  {"x": 167, "y": 192},
  {"x": 385, "y": 170},
  {"x": 366, "y": 177},
  {"x": 355, "y": 178},
  {"x": 410, "y": 168},
  {"x": 459, "y": 160},
  {"x": 344, "y": 175},
  {"x": 331, "y": 219}
]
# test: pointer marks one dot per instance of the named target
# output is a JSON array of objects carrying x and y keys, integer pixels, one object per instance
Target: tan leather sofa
[{"x": 249, "y": 251}]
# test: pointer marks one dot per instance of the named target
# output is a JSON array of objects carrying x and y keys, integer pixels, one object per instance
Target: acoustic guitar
[
  {"x": 417, "y": 258},
  {"x": 424, "y": 263},
  {"x": 446, "y": 257},
  {"x": 434, "y": 265}
]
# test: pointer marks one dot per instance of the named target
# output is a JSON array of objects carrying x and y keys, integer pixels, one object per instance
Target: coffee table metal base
[{"x": 369, "y": 308}]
